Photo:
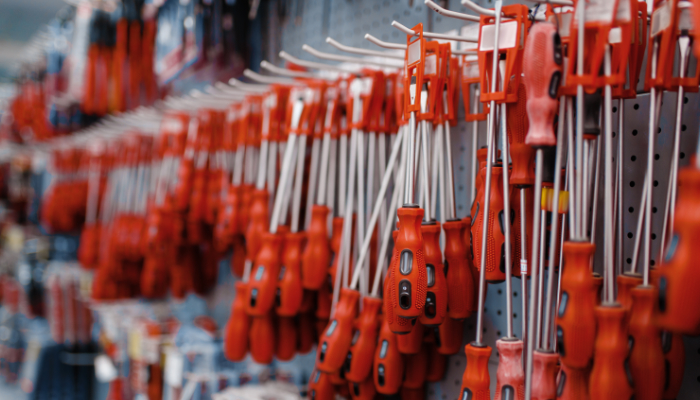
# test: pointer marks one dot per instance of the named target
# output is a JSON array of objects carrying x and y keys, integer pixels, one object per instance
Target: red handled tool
[
  {"x": 388, "y": 362},
  {"x": 459, "y": 278},
  {"x": 358, "y": 362},
  {"x": 436, "y": 297}
]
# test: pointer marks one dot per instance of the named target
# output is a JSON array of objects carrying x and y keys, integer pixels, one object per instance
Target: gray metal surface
[{"x": 348, "y": 21}]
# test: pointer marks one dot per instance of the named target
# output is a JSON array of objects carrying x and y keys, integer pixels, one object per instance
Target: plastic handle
[
  {"x": 523, "y": 157},
  {"x": 262, "y": 285},
  {"x": 416, "y": 369},
  {"x": 674, "y": 353},
  {"x": 573, "y": 383},
  {"x": 646, "y": 359},
  {"x": 598, "y": 285},
  {"x": 337, "y": 337},
  {"x": 388, "y": 362},
  {"x": 544, "y": 375},
  {"x": 435, "y": 308},
  {"x": 364, "y": 390},
  {"x": 448, "y": 339},
  {"x": 610, "y": 378},
  {"x": 460, "y": 281},
  {"x": 225, "y": 229},
  {"x": 495, "y": 247},
  {"x": 412, "y": 394},
  {"x": 285, "y": 338},
  {"x": 411, "y": 342},
  {"x": 542, "y": 75},
  {"x": 290, "y": 293},
  {"x": 476, "y": 380},
  {"x": 408, "y": 289},
  {"x": 358, "y": 362},
  {"x": 306, "y": 332},
  {"x": 510, "y": 378},
  {"x": 517, "y": 221},
  {"x": 259, "y": 222},
  {"x": 324, "y": 300},
  {"x": 320, "y": 386},
  {"x": 625, "y": 283},
  {"x": 575, "y": 320},
  {"x": 678, "y": 275},
  {"x": 238, "y": 255},
  {"x": 262, "y": 339},
  {"x": 246, "y": 202},
  {"x": 317, "y": 255},
  {"x": 467, "y": 238},
  {"x": 400, "y": 326},
  {"x": 437, "y": 364},
  {"x": 518, "y": 122}
]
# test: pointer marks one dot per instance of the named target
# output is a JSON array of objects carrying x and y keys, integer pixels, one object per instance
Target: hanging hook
[
  {"x": 289, "y": 73},
  {"x": 313, "y": 64},
  {"x": 451, "y": 14},
  {"x": 363, "y": 52},
  {"x": 399, "y": 46},
  {"x": 335, "y": 57},
  {"x": 247, "y": 87},
  {"x": 270, "y": 80},
  {"x": 432, "y": 35}
]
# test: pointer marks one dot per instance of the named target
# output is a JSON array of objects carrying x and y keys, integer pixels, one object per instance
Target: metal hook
[
  {"x": 222, "y": 94},
  {"x": 364, "y": 52},
  {"x": 335, "y": 57},
  {"x": 270, "y": 80},
  {"x": 478, "y": 9},
  {"x": 432, "y": 35},
  {"x": 247, "y": 87},
  {"x": 289, "y": 73},
  {"x": 451, "y": 14},
  {"x": 313, "y": 64},
  {"x": 399, "y": 46}
]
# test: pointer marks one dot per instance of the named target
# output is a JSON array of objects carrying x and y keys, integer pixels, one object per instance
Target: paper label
[
  {"x": 660, "y": 19},
  {"x": 414, "y": 52},
  {"x": 523, "y": 266},
  {"x": 506, "y": 36},
  {"x": 174, "y": 365}
]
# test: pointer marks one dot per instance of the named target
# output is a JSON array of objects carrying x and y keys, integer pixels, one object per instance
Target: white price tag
[
  {"x": 523, "y": 266},
  {"x": 506, "y": 36},
  {"x": 174, "y": 364},
  {"x": 660, "y": 19}
]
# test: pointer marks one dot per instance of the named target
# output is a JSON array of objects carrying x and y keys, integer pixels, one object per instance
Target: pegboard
[{"x": 294, "y": 23}]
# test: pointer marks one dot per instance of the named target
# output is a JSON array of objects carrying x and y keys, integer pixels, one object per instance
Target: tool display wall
[{"x": 311, "y": 21}]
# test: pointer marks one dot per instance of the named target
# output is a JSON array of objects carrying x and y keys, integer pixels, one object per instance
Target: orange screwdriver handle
[
  {"x": 572, "y": 383},
  {"x": 400, "y": 326},
  {"x": 409, "y": 276},
  {"x": 364, "y": 390},
  {"x": 262, "y": 285},
  {"x": 575, "y": 319},
  {"x": 449, "y": 336},
  {"x": 237, "y": 327},
  {"x": 436, "y": 296},
  {"x": 317, "y": 254},
  {"x": 541, "y": 76},
  {"x": 259, "y": 220},
  {"x": 337, "y": 337},
  {"x": 411, "y": 342},
  {"x": 306, "y": 332},
  {"x": 290, "y": 293},
  {"x": 285, "y": 338},
  {"x": 674, "y": 354},
  {"x": 523, "y": 157},
  {"x": 609, "y": 378},
  {"x": 358, "y": 362},
  {"x": 416, "y": 369},
  {"x": 625, "y": 283},
  {"x": 510, "y": 379},
  {"x": 646, "y": 359},
  {"x": 460, "y": 281},
  {"x": 388, "y": 363},
  {"x": 598, "y": 284},
  {"x": 476, "y": 380},
  {"x": 544, "y": 375},
  {"x": 238, "y": 255},
  {"x": 678, "y": 275},
  {"x": 262, "y": 339},
  {"x": 495, "y": 246},
  {"x": 437, "y": 364},
  {"x": 320, "y": 386},
  {"x": 324, "y": 300}
]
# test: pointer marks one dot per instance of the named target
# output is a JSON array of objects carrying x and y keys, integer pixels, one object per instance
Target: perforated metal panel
[{"x": 348, "y": 21}]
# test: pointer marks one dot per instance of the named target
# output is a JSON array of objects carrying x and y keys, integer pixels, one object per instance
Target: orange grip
[
  {"x": 460, "y": 281},
  {"x": 324, "y": 300},
  {"x": 541, "y": 76},
  {"x": 679, "y": 275},
  {"x": 289, "y": 293},
  {"x": 317, "y": 254},
  {"x": 495, "y": 247},
  {"x": 646, "y": 359},
  {"x": 412, "y": 394},
  {"x": 154, "y": 276},
  {"x": 510, "y": 378},
  {"x": 411, "y": 342},
  {"x": 476, "y": 379},
  {"x": 625, "y": 283},
  {"x": 544, "y": 375},
  {"x": 598, "y": 284},
  {"x": 358, "y": 362},
  {"x": 609, "y": 378},
  {"x": 335, "y": 249},
  {"x": 437, "y": 364},
  {"x": 262, "y": 285},
  {"x": 232, "y": 207},
  {"x": 408, "y": 290},
  {"x": 517, "y": 221},
  {"x": 467, "y": 238},
  {"x": 388, "y": 362},
  {"x": 262, "y": 339},
  {"x": 416, "y": 369},
  {"x": 320, "y": 386},
  {"x": 523, "y": 157},
  {"x": 364, "y": 390},
  {"x": 285, "y": 338},
  {"x": 337, "y": 337},
  {"x": 436, "y": 288},
  {"x": 573, "y": 383},
  {"x": 246, "y": 203},
  {"x": 306, "y": 333},
  {"x": 575, "y": 319},
  {"x": 449, "y": 336},
  {"x": 518, "y": 122},
  {"x": 238, "y": 255},
  {"x": 400, "y": 326},
  {"x": 89, "y": 242},
  {"x": 674, "y": 353}
]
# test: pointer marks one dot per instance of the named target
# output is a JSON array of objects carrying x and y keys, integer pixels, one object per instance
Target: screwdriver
[
  {"x": 320, "y": 386},
  {"x": 388, "y": 363},
  {"x": 285, "y": 338}
]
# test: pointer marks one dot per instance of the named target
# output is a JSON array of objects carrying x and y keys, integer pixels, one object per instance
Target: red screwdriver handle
[
  {"x": 320, "y": 386},
  {"x": 436, "y": 295},
  {"x": 237, "y": 327},
  {"x": 317, "y": 254},
  {"x": 259, "y": 222},
  {"x": 544, "y": 375},
  {"x": 448, "y": 338},
  {"x": 262, "y": 339},
  {"x": 337, "y": 337},
  {"x": 262, "y": 285},
  {"x": 416, "y": 369},
  {"x": 358, "y": 362},
  {"x": 518, "y": 122},
  {"x": 541, "y": 76},
  {"x": 476, "y": 380},
  {"x": 238, "y": 255},
  {"x": 495, "y": 246},
  {"x": 437, "y": 364},
  {"x": 409, "y": 273},
  {"x": 306, "y": 332},
  {"x": 573, "y": 383},
  {"x": 609, "y": 378},
  {"x": 335, "y": 249},
  {"x": 467, "y": 238},
  {"x": 646, "y": 358},
  {"x": 411, "y": 342},
  {"x": 459, "y": 279},
  {"x": 400, "y": 326},
  {"x": 364, "y": 390},
  {"x": 285, "y": 338},
  {"x": 510, "y": 378},
  {"x": 625, "y": 283},
  {"x": 290, "y": 293},
  {"x": 575, "y": 319},
  {"x": 388, "y": 362}
]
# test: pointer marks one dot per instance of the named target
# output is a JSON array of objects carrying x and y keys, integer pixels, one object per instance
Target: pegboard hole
[
  {"x": 631, "y": 209},
  {"x": 683, "y": 127},
  {"x": 652, "y": 263},
  {"x": 515, "y": 294},
  {"x": 515, "y": 315},
  {"x": 500, "y": 291},
  {"x": 633, "y": 158},
  {"x": 631, "y": 183},
  {"x": 653, "y": 209},
  {"x": 657, "y": 156},
  {"x": 629, "y": 261},
  {"x": 682, "y": 155},
  {"x": 653, "y": 236},
  {"x": 634, "y": 132},
  {"x": 636, "y": 106},
  {"x": 656, "y": 183},
  {"x": 685, "y": 100},
  {"x": 498, "y": 312},
  {"x": 614, "y": 109},
  {"x": 498, "y": 333},
  {"x": 630, "y": 235}
]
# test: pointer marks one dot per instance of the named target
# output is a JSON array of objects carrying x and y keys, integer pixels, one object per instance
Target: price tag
[
  {"x": 174, "y": 365},
  {"x": 523, "y": 266}
]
